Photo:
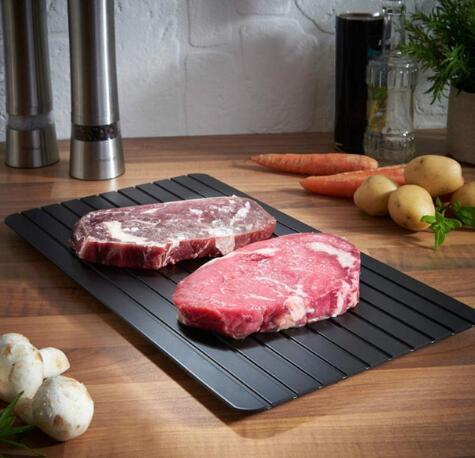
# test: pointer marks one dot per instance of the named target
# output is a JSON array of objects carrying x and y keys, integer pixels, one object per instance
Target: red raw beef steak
[{"x": 271, "y": 285}]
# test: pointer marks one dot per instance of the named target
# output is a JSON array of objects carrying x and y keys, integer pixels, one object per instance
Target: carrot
[
  {"x": 316, "y": 164},
  {"x": 345, "y": 184}
]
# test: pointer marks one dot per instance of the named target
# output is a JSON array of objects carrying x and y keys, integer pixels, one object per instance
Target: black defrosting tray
[{"x": 395, "y": 316}]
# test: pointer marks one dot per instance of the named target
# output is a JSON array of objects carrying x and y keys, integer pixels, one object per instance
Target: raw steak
[
  {"x": 152, "y": 236},
  {"x": 270, "y": 285}
]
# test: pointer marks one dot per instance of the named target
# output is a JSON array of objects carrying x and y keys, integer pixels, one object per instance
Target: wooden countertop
[{"x": 422, "y": 404}]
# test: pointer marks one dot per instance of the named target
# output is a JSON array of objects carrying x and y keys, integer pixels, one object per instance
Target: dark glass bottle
[{"x": 358, "y": 35}]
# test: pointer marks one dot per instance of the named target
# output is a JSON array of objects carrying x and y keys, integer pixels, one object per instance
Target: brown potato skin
[
  {"x": 465, "y": 195},
  {"x": 437, "y": 174},
  {"x": 373, "y": 194},
  {"x": 408, "y": 204}
]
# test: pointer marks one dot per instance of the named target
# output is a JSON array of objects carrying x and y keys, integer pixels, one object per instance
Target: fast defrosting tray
[{"x": 396, "y": 314}]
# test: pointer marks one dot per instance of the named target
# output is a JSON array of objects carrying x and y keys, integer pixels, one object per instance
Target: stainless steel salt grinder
[
  {"x": 96, "y": 144},
  {"x": 30, "y": 130}
]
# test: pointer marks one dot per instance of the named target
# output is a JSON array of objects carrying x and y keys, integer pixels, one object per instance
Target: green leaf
[
  {"x": 464, "y": 214},
  {"x": 7, "y": 413},
  {"x": 443, "y": 41},
  {"x": 438, "y": 204},
  {"x": 18, "y": 445},
  {"x": 6, "y": 425},
  {"x": 451, "y": 224},
  {"x": 15, "y": 430},
  {"x": 440, "y": 225},
  {"x": 8, "y": 430},
  {"x": 439, "y": 238},
  {"x": 429, "y": 219}
]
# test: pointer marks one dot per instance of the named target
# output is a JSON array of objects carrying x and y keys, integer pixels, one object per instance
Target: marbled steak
[{"x": 152, "y": 236}]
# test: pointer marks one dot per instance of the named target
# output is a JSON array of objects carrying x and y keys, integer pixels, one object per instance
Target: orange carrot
[
  {"x": 316, "y": 164},
  {"x": 345, "y": 184}
]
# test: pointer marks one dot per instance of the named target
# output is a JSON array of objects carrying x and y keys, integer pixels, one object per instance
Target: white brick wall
[{"x": 215, "y": 67}]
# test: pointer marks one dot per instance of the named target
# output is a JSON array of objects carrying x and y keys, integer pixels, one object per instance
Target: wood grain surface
[{"x": 422, "y": 404}]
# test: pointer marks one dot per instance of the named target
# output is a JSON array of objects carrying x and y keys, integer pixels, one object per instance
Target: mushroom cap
[
  {"x": 55, "y": 362},
  {"x": 21, "y": 369},
  {"x": 62, "y": 408},
  {"x": 12, "y": 338}
]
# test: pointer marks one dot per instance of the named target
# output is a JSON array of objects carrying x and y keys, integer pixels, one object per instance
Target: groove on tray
[
  {"x": 230, "y": 390},
  {"x": 304, "y": 359},
  {"x": 137, "y": 275},
  {"x": 340, "y": 359},
  {"x": 391, "y": 325},
  {"x": 383, "y": 328},
  {"x": 371, "y": 333},
  {"x": 355, "y": 333},
  {"x": 420, "y": 289},
  {"x": 417, "y": 303},
  {"x": 368, "y": 362},
  {"x": 405, "y": 314},
  {"x": 404, "y": 321}
]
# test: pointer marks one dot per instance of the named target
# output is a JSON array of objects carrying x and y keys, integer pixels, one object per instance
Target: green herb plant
[
  {"x": 441, "y": 225},
  {"x": 443, "y": 41},
  {"x": 9, "y": 433}
]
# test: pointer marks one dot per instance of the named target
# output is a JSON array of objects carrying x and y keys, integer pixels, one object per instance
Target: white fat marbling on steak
[
  {"x": 264, "y": 251},
  {"x": 225, "y": 244},
  {"x": 123, "y": 235},
  {"x": 296, "y": 306},
  {"x": 241, "y": 213},
  {"x": 344, "y": 258},
  {"x": 196, "y": 211}
]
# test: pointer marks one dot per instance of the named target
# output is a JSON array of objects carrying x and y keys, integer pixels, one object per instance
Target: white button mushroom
[
  {"x": 55, "y": 362},
  {"x": 62, "y": 408},
  {"x": 21, "y": 369}
]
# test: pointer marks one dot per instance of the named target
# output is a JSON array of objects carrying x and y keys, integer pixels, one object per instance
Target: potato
[
  {"x": 373, "y": 194},
  {"x": 436, "y": 174},
  {"x": 408, "y": 204},
  {"x": 465, "y": 195}
]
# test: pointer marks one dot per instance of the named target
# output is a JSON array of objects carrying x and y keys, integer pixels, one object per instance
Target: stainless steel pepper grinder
[
  {"x": 30, "y": 130},
  {"x": 96, "y": 144}
]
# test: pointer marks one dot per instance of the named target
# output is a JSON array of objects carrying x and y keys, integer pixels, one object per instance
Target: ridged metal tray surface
[{"x": 396, "y": 313}]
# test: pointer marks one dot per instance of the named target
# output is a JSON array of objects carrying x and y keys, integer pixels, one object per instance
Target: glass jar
[{"x": 391, "y": 79}]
